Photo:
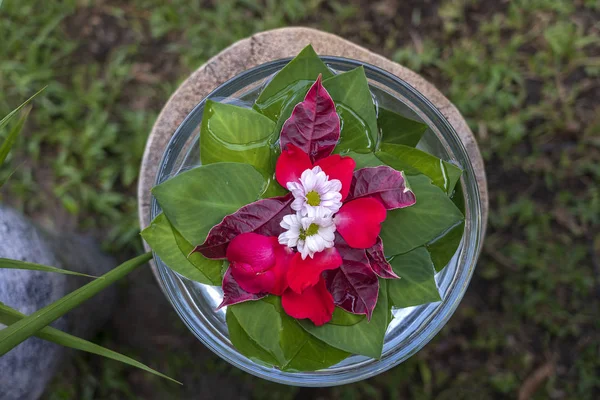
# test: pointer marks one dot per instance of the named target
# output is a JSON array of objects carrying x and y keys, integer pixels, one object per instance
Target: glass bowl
[{"x": 411, "y": 327}]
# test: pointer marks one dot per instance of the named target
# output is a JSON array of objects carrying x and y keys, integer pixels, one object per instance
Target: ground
[{"x": 525, "y": 74}]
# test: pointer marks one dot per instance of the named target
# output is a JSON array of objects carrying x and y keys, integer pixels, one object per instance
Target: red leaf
[
  {"x": 314, "y": 125},
  {"x": 359, "y": 222},
  {"x": 384, "y": 184},
  {"x": 314, "y": 303},
  {"x": 378, "y": 262},
  {"x": 354, "y": 286},
  {"x": 233, "y": 293},
  {"x": 262, "y": 217}
]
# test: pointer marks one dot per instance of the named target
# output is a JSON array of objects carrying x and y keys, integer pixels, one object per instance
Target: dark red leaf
[
  {"x": 262, "y": 217},
  {"x": 354, "y": 286},
  {"x": 233, "y": 293},
  {"x": 384, "y": 184},
  {"x": 378, "y": 262},
  {"x": 314, "y": 125}
]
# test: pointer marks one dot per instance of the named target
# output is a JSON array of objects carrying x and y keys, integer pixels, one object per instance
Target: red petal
[
  {"x": 314, "y": 125},
  {"x": 250, "y": 280},
  {"x": 359, "y": 222},
  {"x": 292, "y": 162},
  {"x": 305, "y": 273},
  {"x": 283, "y": 258},
  {"x": 315, "y": 303},
  {"x": 233, "y": 293},
  {"x": 252, "y": 256},
  {"x": 338, "y": 167},
  {"x": 378, "y": 262}
]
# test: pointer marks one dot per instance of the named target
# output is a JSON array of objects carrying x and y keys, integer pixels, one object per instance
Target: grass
[{"x": 525, "y": 74}]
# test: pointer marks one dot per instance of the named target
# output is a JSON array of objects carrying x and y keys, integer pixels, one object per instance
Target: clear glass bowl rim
[{"x": 472, "y": 238}]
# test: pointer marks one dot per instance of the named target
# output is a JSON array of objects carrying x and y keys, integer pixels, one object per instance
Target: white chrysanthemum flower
[
  {"x": 309, "y": 234},
  {"x": 316, "y": 195}
]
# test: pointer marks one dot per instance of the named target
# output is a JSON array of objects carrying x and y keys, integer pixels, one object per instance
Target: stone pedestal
[
  {"x": 273, "y": 45},
  {"x": 26, "y": 369}
]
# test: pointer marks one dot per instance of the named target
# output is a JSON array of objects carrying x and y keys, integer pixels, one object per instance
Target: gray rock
[{"x": 25, "y": 370}]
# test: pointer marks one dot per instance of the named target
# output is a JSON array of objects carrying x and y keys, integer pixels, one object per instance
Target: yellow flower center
[
  {"x": 313, "y": 198},
  {"x": 312, "y": 230}
]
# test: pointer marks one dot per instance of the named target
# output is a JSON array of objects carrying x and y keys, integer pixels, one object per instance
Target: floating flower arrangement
[{"x": 315, "y": 213}]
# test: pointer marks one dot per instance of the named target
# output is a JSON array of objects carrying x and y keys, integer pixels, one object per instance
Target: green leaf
[
  {"x": 14, "y": 264},
  {"x": 14, "y": 112},
  {"x": 344, "y": 318},
  {"x": 21, "y": 330},
  {"x": 8, "y": 143},
  {"x": 416, "y": 284},
  {"x": 277, "y": 339},
  {"x": 245, "y": 345},
  {"x": 262, "y": 323},
  {"x": 443, "y": 249},
  {"x": 9, "y": 316},
  {"x": 173, "y": 250},
  {"x": 396, "y": 129},
  {"x": 364, "y": 160},
  {"x": 198, "y": 199},
  {"x": 414, "y": 162},
  {"x": 365, "y": 338},
  {"x": 351, "y": 94},
  {"x": 306, "y": 66},
  {"x": 411, "y": 227},
  {"x": 235, "y": 134}
]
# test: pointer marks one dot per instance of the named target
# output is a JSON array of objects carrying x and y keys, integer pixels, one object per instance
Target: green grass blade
[
  {"x": 12, "y": 137},
  {"x": 9, "y": 316},
  {"x": 14, "y": 112},
  {"x": 15, "y": 264},
  {"x": 21, "y": 330}
]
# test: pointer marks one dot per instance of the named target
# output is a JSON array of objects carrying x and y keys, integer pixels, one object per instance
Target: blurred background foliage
[{"x": 524, "y": 73}]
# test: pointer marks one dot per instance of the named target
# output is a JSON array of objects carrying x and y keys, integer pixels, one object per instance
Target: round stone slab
[{"x": 273, "y": 45}]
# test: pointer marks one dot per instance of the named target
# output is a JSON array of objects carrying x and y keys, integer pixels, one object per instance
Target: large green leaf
[
  {"x": 365, "y": 338},
  {"x": 431, "y": 216},
  {"x": 364, "y": 160},
  {"x": 245, "y": 345},
  {"x": 416, "y": 284},
  {"x": 344, "y": 318},
  {"x": 9, "y": 316},
  {"x": 396, "y": 129},
  {"x": 235, "y": 134},
  {"x": 198, "y": 199},
  {"x": 173, "y": 250},
  {"x": 261, "y": 330},
  {"x": 351, "y": 94},
  {"x": 443, "y": 249},
  {"x": 15, "y": 264},
  {"x": 306, "y": 66},
  {"x": 21, "y": 330},
  {"x": 413, "y": 162}
]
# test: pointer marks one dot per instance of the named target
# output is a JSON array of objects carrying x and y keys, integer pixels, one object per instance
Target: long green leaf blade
[
  {"x": 15, "y": 264},
  {"x": 9, "y": 316},
  {"x": 18, "y": 332},
  {"x": 12, "y": 137},
  {"x": 14, "y": 112}
]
